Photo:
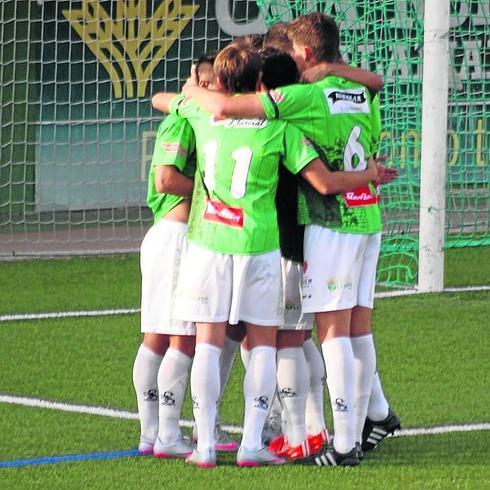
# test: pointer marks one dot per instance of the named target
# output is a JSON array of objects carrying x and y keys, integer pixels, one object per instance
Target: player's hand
[
  {"x": 191, "y": 82},
  {"x": 385, "y": 174},
  {"x": 316, "y": 73},
  {"x": 372, "y": 167}
]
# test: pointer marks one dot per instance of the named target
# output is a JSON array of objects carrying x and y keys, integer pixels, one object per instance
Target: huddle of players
[{"x": 231, "y": 270}]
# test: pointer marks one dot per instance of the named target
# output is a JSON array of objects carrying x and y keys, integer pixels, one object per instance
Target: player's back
[
  {"x": 233, "y": 209},
  {"x": 333, "y": 113},
  {"x": 336, "y": 115}
]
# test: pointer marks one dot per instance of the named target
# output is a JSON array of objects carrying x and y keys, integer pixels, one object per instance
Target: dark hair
[
  {"x": 277, "y": 37},
  {"x": 254, "y": 41},
  {"x": 319, "y": 32},
  {"x": 278, "y": 68},
  {"x": 205, "y": 58}
]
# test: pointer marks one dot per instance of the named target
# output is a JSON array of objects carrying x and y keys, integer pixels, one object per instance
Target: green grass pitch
[{"x": 433, "y": 356}]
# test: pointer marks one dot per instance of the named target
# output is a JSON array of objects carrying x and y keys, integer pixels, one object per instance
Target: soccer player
[
  {"x": 300, "y": 369},
  {"x": 336, "y": 114},
  {"x": 232, "y": 268},
  {"x": 204, "y": 70},
  {"x": 163, "y": 360}
]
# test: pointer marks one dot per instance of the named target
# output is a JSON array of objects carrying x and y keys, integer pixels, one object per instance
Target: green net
[{"x": 387, "y": 37}]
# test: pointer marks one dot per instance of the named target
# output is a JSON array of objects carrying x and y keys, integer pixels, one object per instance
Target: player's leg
[
  {"x": 257, "y": 301},
  {"x": 172, "y": 382},
  {"x": 292, "y": 371},
  {"x": 364, "y": 364},
  {"x": 259, "y": 388},
  {"x": 204, "y": 295},
  {"x": 234, "y": 336},
  {"x": 292, "y": 387},
  {"x": 158, "y": 264},
  {"x": 365, "y": 354},
  {"x": 339, "y": 270},
  {"x": 314, "y": 412},
  {"x": 145, "y": 372}
]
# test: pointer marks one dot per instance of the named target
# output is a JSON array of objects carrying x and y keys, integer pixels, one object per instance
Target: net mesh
[
  {"x": 77, "y": 129},
  {"x": 387, "y": 37}
]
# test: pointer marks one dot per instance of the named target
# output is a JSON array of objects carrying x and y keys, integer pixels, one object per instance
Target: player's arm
[
  {"x": 169, "y": 180},
  {"x": 370, "y": 80},
  {"x": 224, "y": 105},
  {"x": 326, "y": 182},
  {"x": 161, "y": 101},
  {"x": 220, "y": 104}
]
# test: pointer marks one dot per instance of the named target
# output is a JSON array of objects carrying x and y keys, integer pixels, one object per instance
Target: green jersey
[
  {"x": 335, "y": 114},
  {"x": 233, "y": 206},
  {"x": 174, "y": 145}
]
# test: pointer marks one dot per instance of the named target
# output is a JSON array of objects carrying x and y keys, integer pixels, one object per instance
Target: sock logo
[
  {"x": 340, "y": 406},
  {"x": 262, "y": 402},
  {"x": 287, "y": 393},
  {"x": 150, "y": 395},
  {"x": 168, "y": 399},
  {"x": 195, "y": 403}
]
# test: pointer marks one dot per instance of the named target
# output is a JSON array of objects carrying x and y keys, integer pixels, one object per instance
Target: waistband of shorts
[{"x": 172, "y": 225}]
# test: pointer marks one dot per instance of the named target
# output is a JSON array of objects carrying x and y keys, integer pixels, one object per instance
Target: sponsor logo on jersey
[
  {"x": 240, "y": 123},
  {"x": 174, "y": 148},
  {"x": 346, "y": 101},
  {"x": 219, "y": 212},
  {"x": 362, "y": 196}
]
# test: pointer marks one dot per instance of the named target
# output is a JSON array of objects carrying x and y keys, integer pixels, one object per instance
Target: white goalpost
[{"x": 433, "y": 146}]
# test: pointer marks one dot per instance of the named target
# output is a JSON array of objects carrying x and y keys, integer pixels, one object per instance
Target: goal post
[{"x": 433, "y": 151}]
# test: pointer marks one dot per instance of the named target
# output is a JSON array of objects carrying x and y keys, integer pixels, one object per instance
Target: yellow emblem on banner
[{"x": 131, "y": 45}]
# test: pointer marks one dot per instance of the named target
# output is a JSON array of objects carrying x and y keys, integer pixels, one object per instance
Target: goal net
[{"x": 77, "y": 130}]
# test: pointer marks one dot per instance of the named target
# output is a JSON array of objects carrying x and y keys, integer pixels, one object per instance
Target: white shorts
[
  {"x": 161, "y": 251},
  {"x": 339, "y": 270},
  {"x": 294, "y": 319},
  {"x": 216, "y": 288}
]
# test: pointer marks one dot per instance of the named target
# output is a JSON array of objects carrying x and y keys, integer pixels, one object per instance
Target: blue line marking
[{"x": 69, "y": 457}]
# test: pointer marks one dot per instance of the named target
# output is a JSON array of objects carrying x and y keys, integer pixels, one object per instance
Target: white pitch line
[
  {"x": 130, "y": 311},
  {"x": 66, "y": 314},
  {"x": 123, "y": 414}
]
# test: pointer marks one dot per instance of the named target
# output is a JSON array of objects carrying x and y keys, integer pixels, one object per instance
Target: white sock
[
  {"x": 314, "y": 414},
  {"x": 245, "y": 355},
  {"x": 145, "y": 371},
  {"x": 276, "y": 412},
  {"x": 226, "y": 360},
  {"x": 205, "y": 392},
  {"x": 172, "y": 382},
  {"x": 292, "y": 386},
  {"x": 258, "y": 387},
  {"x": 378, "y": 407},
  {"x": 339, "y": 363},
  {"x": 364, "y": 367}
]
